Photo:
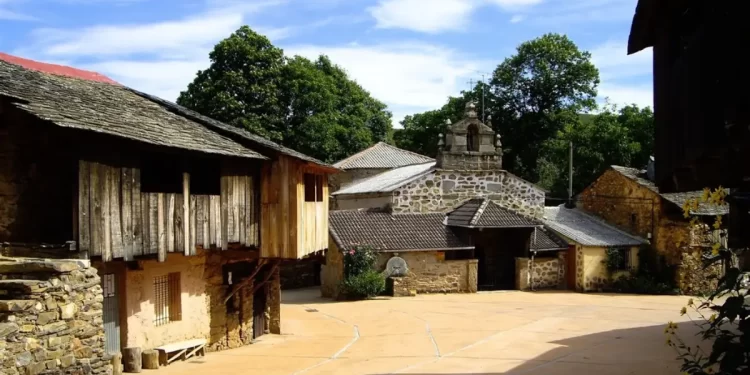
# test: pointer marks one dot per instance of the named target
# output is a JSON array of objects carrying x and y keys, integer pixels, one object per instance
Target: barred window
[{"x": 167, "y": 301}]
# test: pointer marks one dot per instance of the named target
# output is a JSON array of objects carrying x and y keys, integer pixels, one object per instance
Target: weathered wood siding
[
  {"x": 292, "y": 228},
  {"x": 116, "y": 220}
]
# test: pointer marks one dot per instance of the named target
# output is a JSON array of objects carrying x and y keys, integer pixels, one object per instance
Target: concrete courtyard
[{"x": 485, "y": 333}]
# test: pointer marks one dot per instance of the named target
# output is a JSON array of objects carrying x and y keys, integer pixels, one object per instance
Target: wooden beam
[
  {"x": 127, "y": 214},
  {"x": 84, "y": 199},
  {"x": 161, "y": 224},
  {"x": 179, "y": 224},
  {"x": 146, "y": 230},
  {"x": 212, "y": 219},
  {"x": 224, "y": 212},
  {"x": 106, "y": 212},
  {"x": 169, "y": 216},
  {"x": 193, "y": 224},
  {"x": 153, "y": 199},
  {"x": 115, "y": 208},
  {"x": 205, "y": 211},
  {"x": 139, "y": 226},
  {"x": 97, "y": 213}
]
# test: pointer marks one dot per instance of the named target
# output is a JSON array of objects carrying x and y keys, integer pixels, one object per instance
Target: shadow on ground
[{"x": 640, "y": 350}]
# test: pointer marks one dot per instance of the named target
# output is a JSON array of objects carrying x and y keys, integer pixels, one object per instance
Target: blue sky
[{"x": 411, "y": 54}]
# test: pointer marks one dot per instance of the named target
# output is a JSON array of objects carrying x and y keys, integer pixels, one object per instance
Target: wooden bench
[{"x": 184, "y": 349}]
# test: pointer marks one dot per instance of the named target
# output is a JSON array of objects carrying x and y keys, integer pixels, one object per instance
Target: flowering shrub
[
  {"x": 723, "y": 317},
  {"x": 360, "y": 278}
]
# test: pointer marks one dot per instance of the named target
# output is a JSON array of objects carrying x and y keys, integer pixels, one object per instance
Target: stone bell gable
[{"x": 469, "y": 145}]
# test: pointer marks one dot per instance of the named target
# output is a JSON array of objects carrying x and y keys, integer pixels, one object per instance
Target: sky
[{"x": 410, "y": 54}]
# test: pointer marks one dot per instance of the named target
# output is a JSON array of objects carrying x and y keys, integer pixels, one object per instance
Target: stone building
[
  {"x": 489, "y": 210},
  {"x": 628, "y": 199},
  {"x": 590, "y": 241},
  {"x": 185, "y": 218}
]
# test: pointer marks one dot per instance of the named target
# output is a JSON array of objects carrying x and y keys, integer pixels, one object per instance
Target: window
[
  {"x": 633, "y": 221},
  {"x": 205, "y": 177},
  {"x": 313, "y": 187},
  {"x": 167, "y": 299},
  {"x": 618, "y": 259},
  {"x": 472, "y": 138}
]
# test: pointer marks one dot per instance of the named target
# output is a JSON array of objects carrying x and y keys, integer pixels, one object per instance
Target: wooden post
[
  {"x": 186, "y": 213},
  {"x": 116, "y": 364},
  {"x": 150, "y": 359},
  {"x": 131, "y": 359}
]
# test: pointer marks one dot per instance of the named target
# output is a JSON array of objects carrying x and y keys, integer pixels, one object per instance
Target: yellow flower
[
  {"x": 717, "y": 222},
  {"x": 690, "y": 302},
  {"x": 669, "y": 341},
  {"x": 705, "y": 195},
  {"x": 715, "y": 248},
  {"x": 683, "y": 311},
  {"x": 712, "y": 318}
]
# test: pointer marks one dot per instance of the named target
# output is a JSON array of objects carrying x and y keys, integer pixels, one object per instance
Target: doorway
[
  {"x": 111, "y": 313},
  {"x": 260, "y": 298}
]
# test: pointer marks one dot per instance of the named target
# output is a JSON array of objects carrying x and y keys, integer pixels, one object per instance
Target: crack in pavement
[
  {"x": 338, "y": 353},
  {"x": 427, "y": 328}
]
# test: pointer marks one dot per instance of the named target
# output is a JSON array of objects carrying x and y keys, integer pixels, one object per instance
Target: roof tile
[
  {"x": 382, "y": 155},
  {"x": 585, "y": 229},
  {"x": 387, "y": 181},
  {"x": 484, "y": 213}
]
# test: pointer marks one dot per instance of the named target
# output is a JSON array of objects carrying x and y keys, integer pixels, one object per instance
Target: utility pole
[{"x": 570, "y": 177}]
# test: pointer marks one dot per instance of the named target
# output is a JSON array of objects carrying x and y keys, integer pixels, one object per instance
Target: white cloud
[
  {"x": 419, "y": 15},
  {"x": 408, "y": 77},
  {"x": 565, "y": 12},
  {"x": 434, "y": 16},
  {"x": 517, "y": 18},
  {"x": 626, "y": 79}
]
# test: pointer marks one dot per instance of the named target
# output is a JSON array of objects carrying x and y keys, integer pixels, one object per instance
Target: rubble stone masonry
[{"x": 51, "y": 318}]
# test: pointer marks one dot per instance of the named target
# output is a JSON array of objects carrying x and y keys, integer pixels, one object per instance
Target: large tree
[
  {"x": 535, "y": 92},
  {"x": 311, "y": 106}
]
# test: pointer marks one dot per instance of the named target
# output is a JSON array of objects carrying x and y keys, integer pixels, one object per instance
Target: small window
[
  {"x": 621, "y": 258},
  {"x": 472, "y": 138},
  {"x": 167, "y": 299},
  {"x": 313, "y": 187},
  {"x": 633, "y": 220},
  {"x": 205, "y": 177}
]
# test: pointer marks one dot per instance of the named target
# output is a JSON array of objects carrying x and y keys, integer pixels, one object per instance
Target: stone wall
[
  {"x": 51, "y": 319},
  {"x": 592, "y": 274},
  {"x": 542, "y": 273},
  {"x": 430, "y": 273},
  {"x": 694, "y": 279},
  {"x": 443, "y": 190}
]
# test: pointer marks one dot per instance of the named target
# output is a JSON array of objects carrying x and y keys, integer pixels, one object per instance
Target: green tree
[
  {"x": 310, "y": 106},
  {"x": 240, "y": 87},
  {"x": 534, "y": 93},
  {"x": 614, "y": 136}
]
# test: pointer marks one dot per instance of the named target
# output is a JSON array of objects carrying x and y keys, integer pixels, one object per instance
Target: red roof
[{"x": 60, "y": 70}]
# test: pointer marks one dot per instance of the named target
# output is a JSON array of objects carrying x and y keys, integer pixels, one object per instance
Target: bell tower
[{"x": 469, "y": 144}]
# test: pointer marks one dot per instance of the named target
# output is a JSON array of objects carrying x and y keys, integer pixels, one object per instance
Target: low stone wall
[
  {"x": 542, "y": 273},
  {"x": 51, "y": 318},
  {"x": 695, "y": 279},
  {"x": 429, "y": 273}
]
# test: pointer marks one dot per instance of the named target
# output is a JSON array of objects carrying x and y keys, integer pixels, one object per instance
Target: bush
[
  {"x": 641, "y": 284},
  {"x": 367, "y": 284},
  {"x": 359, "y": 260}
]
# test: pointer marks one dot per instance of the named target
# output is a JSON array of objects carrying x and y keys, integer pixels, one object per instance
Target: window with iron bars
[{"x": 167, "y": 301}]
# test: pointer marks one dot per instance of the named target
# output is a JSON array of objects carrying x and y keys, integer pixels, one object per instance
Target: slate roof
[
  {"x": 255, "y": 139},
  {"x": 678, "y": 199},
  {"x": 109, "y": 109},
  {"x": 387, "y": 181},
  {"x": 585, "y": 229},
  {"x": 484, "y": 213},
  {"x": 393, "y": 232},
  {"x": 382, "y": 155},
  {"x": 544, "y": 239}
]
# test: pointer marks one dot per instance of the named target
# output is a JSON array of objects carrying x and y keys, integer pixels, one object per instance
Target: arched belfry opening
[{"x": 469, "y": 144}]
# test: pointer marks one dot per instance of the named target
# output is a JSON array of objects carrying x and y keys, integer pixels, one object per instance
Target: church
[{"x": 458, "y": 223}]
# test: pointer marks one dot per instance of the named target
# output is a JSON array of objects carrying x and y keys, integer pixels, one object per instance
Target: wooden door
[
  {"x": 259, "y": 312},
  {"x": 111, "y": 316},
  {"x": 571, "y": 271}
]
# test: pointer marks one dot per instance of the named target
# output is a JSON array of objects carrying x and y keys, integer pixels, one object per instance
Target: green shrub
[
  {"x": 367, "y": 284},
  {"x": 641, "y": 284},
  {"x": 359, "y": 260}
]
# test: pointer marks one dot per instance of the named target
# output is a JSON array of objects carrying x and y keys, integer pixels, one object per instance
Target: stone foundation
[
  {"x": 332, "y": 273},
  {"x": 443, "y": 190},
  {"x": 51, "y": 318},
  {"x": 695, "y": 279}
]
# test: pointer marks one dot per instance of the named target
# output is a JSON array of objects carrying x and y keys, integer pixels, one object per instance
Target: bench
[{"x": 184, "y": 349}]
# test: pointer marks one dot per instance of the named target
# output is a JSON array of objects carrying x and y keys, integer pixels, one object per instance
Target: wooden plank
[
  {"x": 193, "y": 231},
  {"x": 236, "y": 194},
  {"x": 230, "y": 209},
  {"x": 218, "y": 224},
  {"x": 153, "y": 199},
  {"x": 224, "y": 212},
  {"x": 106, "y": 181},
  {"x": 199, "y": 220},
  {"x": 84, "y": 201},
  {"x": 97, "y": 214},
  {"x": 115, "y": 208},
  {"x": 179, "y": 228},
  {"x": 186, "y": 214},
  {"x": 169, "y": 216},
  {"x": 242, "y": 209},
  {"x": 161, "y": 224},
  {"x": 204, "y": 224},
  {"x": 138, "y": 216},
  {"x": 146, "y": 230},
  {"x": 248, "y": 238},
  {"x": 212, "y": 214},
  {"x": 126, "y": 211}
]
